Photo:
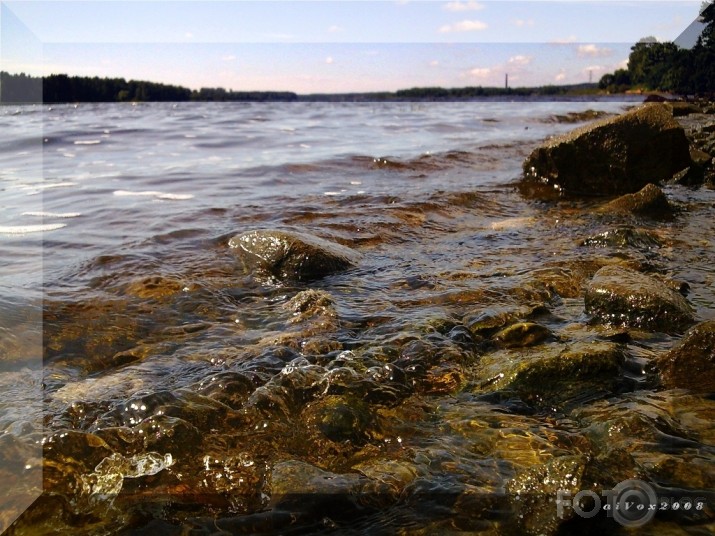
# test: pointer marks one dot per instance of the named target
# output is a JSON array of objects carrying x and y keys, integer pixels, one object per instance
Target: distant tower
[
  {"x": 506, "y": 81},
  {"x": 590, "y": 76}
]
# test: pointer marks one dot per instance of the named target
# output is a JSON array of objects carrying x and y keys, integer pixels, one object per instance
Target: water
[{"x": 179, "y": 391}]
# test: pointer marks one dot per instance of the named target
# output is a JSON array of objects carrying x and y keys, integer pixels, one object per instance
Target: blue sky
[{"x": 335, "y": 46}]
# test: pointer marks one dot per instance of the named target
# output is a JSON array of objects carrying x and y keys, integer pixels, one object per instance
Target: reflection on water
[{"x": 184, "y": 395}]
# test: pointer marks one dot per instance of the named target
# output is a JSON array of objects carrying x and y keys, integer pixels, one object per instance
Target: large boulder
[
  {"x": 623, "y": 297},
  {"x": 291, "y": 255},
  {"x": 691, "y": 363},
  {"x": 613, "y": 156}
]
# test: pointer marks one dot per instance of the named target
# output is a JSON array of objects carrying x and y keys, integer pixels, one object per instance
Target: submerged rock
[
  {"x": 613, "y": 156},
  {"x": 623, "y": 297},
  {"x": 649, "y": 201},
  {"x": 532, "y": 492},
  {"x": 301, "y": 487},
  {"x": 291, "y": 255},
  {"x": 554, "y": 374},
  {"x": 691, "y": 363},
  {"x": 521, "y": 334}
]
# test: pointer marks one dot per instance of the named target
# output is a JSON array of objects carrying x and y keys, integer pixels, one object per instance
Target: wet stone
[
  {"x": 485, "y": 323},
  {"x": 555, "y": 374},
  {"x": 613, "y": 156},
  {"x": 691, "y": 363},
  {"x": 623, "y": 237},
  {"x": 291, "y": 256},
  {"x": 302, "y": 487},
  {"x": 340, "y": 419},
  {"x": 154, "y": 287},
  {"x": 650, "y": 202},
  {"x": 533, "y": 490},
  {"x": 521, "y": 334},
  {"x": 622, "y": 297},
  {"x": 652, "y": 436}
]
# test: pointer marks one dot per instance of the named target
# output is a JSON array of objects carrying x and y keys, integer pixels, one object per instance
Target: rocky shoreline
[{"x": 571, "y": 359}]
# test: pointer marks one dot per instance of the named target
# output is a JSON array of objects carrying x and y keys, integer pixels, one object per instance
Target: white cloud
[
  {"x": 434, "y": 63},
  {"x": 464, "y": 26},
  {"x": 189, "y": 35},
  {"x": 229, "y": 57},
  {"x": 560, "y": 77},
  {"x": 520, "y": 60},
  {"x": 593, "y": 51},
  {"x": 329, "y": 60},
  {"x": 565, "y": 41},
  {"x": 521, "y": 23},
  {"x": 470, "y": 5},
  {"x": 335, "y": 29},
  {"x": 480, "y": 72}
]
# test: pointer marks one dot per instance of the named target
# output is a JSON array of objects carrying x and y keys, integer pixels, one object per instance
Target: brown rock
[
  {"x": 290, "y": 255},
  {"x": 622, "y": 297},
  {"x": 650, "y": 202},
  {"x": 613, "y": 156},
  {"x": 691, "y": 363}
]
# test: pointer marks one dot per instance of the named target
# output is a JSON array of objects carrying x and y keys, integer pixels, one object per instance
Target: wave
[
  {"x": 53, "y": 214},
  {"x": 26, "y": 229},
  {"x": 153, "y": 193}
]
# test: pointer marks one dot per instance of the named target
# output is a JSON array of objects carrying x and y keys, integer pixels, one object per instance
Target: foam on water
[
  {"x": 153, "y": 193},
  {"x": 27, "y": 229},
  {"x": 53, "y": 214}
]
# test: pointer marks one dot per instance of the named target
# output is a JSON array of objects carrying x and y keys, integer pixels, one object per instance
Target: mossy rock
[
  {"x": 622, "y": 297},
  {"x": 553, "y": 374},
  {"x": 521, "y": 334}
]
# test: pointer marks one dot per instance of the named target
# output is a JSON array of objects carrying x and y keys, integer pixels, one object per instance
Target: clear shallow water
[{"x": 172, "y": 378}]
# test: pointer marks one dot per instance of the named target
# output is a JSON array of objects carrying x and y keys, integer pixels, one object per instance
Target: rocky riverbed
[{"x": 453, "y": 363}]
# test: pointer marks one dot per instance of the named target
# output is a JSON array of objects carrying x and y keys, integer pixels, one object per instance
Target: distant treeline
[
  {"x": 440, "y": 93},
  {"x": 668, "y": 67},
  {"x": 58, "y": 88}
]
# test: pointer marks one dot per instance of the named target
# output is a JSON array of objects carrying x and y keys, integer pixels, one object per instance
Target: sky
[{"x": 334, "y": 46}]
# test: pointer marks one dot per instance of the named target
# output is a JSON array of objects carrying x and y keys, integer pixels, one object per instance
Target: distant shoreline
[{"x": 61, "y": 89}]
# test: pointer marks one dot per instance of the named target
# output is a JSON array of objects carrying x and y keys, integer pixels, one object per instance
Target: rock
[
  {"x": 291, "y": 255},
  {"x": 555, "y": 374},
  {"x": 577, "y": 117},
  {"x": 303, "y": 488},
  {"x": 613, "y": 156},
  {"x": 532, "y": 492},
  {"x": 681, "y": 108},
  {"x": 691, "y": 363},
  {"x": 623, "y": 237},
  {"x": 339, "y": 419},
  {"x": 699, "y": 157},
  {"x": 521, "y": 334},
  {"x": 623, "y": 297},
  {"x": 650, "y": 202}
]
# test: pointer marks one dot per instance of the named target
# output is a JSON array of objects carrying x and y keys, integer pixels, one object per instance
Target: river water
[{"x": 169, "y": 391}]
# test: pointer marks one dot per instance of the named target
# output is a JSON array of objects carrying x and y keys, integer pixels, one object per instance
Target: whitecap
[
  {"x": 152, "y": 193},
  {"x": 26, "y": 229},
  {"x": 53, "y": 214},
  {"x": 87, "y": 142},
  {"x": 54, "y": 185}
]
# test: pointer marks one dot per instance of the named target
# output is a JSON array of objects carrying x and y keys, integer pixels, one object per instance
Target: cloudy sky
[{"x": 334, "y": 45}]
